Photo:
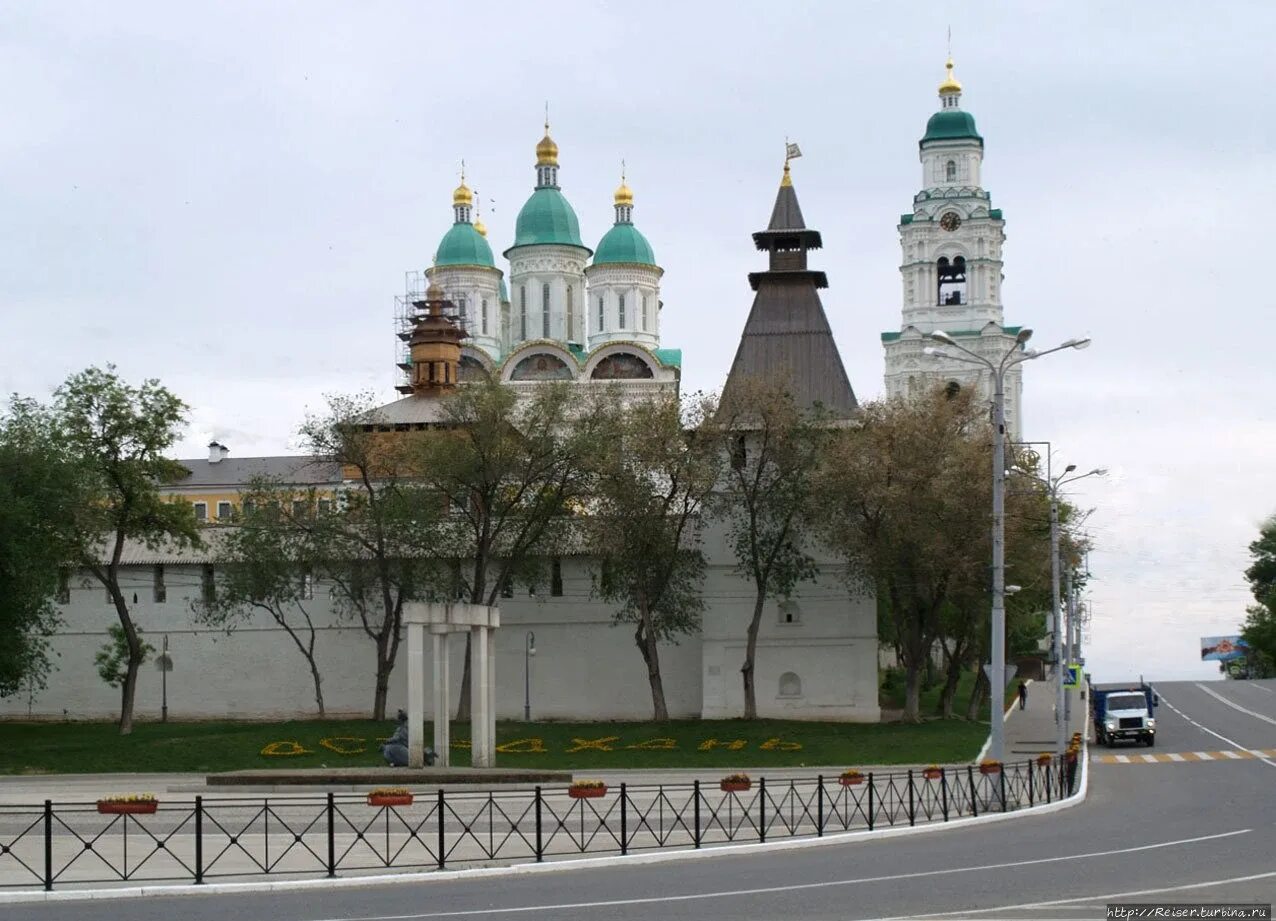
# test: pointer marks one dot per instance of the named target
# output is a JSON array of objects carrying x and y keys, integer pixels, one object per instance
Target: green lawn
[
  {"x": 35, "y": 748},
  {"x": 892, "y": 696}
]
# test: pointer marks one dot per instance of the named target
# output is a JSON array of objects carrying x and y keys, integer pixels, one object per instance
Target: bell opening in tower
[{"x": 951, "y": 278}]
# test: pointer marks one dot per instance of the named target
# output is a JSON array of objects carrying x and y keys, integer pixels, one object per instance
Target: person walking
[{"x": 1023, "y": 695}]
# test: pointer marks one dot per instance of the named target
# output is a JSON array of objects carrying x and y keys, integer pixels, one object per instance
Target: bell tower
[{"x": 951, "y": 263}]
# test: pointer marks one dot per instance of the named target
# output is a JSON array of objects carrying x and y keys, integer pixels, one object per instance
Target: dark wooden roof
[{"x": 787, "y": 334}]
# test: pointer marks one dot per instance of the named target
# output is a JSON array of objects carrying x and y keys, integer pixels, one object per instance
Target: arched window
[
  {"x": 620, "y": 312},
  {"x": 545, "y": 310},
  {"x": 790, "y": 685},
  {"x": 463, "y": 303},
  {"x": 646, "y": 324},
  {"x": 950, "y": 171},
  {"x": 522, "y": 311},
  {"x": 602, "y": 316},
  {"x": 483, "y": 317}
]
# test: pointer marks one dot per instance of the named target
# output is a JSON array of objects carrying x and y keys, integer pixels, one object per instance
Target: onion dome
[
  {"x": 464, "y": 245},
  {"x": 547, "y": 150},
  {"x": 480, "y": 227},
  {"x": 462, "y": 195},
  {"x": 624, "y": 242}
]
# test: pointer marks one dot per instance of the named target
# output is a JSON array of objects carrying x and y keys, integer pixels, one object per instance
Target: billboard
[{"x": 1223, "y": 648}]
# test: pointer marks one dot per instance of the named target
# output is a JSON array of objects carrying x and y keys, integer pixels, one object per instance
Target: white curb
[{"x": 296, "y": 885}]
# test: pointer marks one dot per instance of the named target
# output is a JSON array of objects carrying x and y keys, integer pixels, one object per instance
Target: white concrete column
[
  {"x": 479, "y": 716},
  {"x": 416, "y": 695},
  {"x": 491, "y": 696},
  {"x": 442, "y": 703}
]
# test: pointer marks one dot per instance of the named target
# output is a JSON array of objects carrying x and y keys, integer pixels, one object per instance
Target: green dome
[
  {"x": 624, "y": 243},
  {"x": 463, "y": 245},
  {"x": 951, "y": 125},
  {"x": 547, "y": 218}
]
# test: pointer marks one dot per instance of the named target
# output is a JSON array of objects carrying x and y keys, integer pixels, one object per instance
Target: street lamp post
[
  {"x": 1016, "y": 355},
  {"x": 1062, "y": 633},
  {"x": 529, "y": 650}
]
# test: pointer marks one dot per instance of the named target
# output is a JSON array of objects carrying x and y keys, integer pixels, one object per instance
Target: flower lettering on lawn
[
  {"x": 522, "y": 747},
  {"x": 345, "y": 745},
  {"x": 593, "y": 745},
  {"x": 655, "y": 745},
  {"x": 285, "y": 749},
  {"x": 734, "y": 745},
  {"x": 779, "y": 745}
]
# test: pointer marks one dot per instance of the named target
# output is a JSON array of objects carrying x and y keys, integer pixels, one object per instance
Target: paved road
[{"x": 1188, "y": 830}]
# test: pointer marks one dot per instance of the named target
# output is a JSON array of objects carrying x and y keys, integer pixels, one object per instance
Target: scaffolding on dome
[{"x": 415, "y": 284}]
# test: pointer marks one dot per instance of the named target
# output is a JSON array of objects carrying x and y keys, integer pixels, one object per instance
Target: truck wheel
[{"x": 1150, "y": 741}]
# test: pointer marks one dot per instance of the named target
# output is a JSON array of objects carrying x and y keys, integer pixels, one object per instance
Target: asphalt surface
[{"x": 1190, "y": 831}]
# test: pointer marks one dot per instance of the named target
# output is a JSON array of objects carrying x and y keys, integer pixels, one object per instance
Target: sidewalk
[{"x": 1031, "y": 731}]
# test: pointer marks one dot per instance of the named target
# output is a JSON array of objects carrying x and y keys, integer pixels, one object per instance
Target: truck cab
[{"x": 1124, "y": 713}]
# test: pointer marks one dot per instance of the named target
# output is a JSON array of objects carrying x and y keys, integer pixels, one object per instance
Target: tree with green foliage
[
  {"x": 117, "y": 436},
  {"x": 272, "y": 563},
  {"x": 1259, "y": 631},
  {"x": 773, "y": 447},
  {"x": 656, "y": 468},
  {"x": 40, "y": 492},
  {"x": 903, "y": 494},
  {"x": 113, "y": 658},
  {"x": 515, "y": 470},
  {"x": 374, "y": 546}
]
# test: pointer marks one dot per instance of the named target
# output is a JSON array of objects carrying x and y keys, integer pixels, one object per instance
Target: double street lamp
[
  {"x": 1015, "y": 355},
  {"x": 1052, "y": 485}
]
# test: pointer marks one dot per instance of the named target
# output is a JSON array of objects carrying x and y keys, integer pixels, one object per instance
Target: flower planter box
[
  {"x": 390, "y": 799},
  {"x": 851, "y": 781},
  {"x": 932, "y": 773},
  {"x": 989, "y": 769},
  {"x": 735, "y": 786},
  {"x": 586, "y": 792},
  {"x": 138, "y": 808},
  {"x": 1044, "y": 760}
]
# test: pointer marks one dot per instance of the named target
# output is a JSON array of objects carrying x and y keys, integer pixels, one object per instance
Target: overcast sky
[{"x": 227, "y": 198}]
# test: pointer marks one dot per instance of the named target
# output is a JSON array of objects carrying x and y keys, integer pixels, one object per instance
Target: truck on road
[{"x": 1123, "y": 712}]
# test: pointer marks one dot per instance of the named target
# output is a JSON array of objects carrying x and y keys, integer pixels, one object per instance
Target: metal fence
[{"x": 215, "y": 838}]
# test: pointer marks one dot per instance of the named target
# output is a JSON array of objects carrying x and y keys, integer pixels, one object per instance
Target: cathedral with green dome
[{"x": 562, "y": 311}]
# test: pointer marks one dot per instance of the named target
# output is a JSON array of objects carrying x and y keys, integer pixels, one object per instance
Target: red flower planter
[
  {"x": 390, "y": 799},
  {"x": 850, "y": 781},
  {"x": 989, "y": 769},
  {"x": 586, "y": 792},
  {"x": 1044, "y": 760},
  {"x": 735, "y": 786},
  {"x": 139, "y": 808},
  {"x": 932, "y": 773}
]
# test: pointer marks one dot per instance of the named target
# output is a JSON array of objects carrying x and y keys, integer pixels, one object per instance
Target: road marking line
[
  {"x": 1216, "y": 735},
  {"x": 1204, "y": 756},
  {"x": 1232, "y": 755},
  {"x": 1121, "y": 759},
  {"x": 768, "y": 890},
  {"x": 1235, "y": 706},
  {"x": 1173, "y": 757},
  {"x": 1097, "y": 899},
  {"x": 1150, "y": 759}
]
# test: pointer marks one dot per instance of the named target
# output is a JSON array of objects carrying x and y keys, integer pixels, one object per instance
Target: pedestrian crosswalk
[{"x": 1241, "y": 754}]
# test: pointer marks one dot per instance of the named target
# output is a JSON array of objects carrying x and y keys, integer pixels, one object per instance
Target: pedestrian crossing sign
[{"x": 1072, "y": 677}]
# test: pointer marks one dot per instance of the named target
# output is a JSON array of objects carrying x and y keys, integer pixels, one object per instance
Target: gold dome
[
  {"x": 950, "y": 84},
  {"x": 547, "y": 150},
  {"x": 624, "y": 194},
  {"x": 462, "y": 195},
  {"x": 480, "y": 227}
]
